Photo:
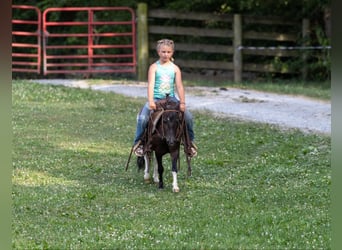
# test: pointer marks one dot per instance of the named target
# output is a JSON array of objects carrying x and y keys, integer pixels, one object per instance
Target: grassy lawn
[{"x": 253, "y": 186}]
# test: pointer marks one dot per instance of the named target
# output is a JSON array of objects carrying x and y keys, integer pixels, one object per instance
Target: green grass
[{"x": 253, "y": 186}]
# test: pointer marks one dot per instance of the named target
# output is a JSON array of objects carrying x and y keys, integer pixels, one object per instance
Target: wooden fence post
[
  {"x": 237, "y": 28},
  {"x": 305, "y": 37},
  {"x": 142, "y": 43}
]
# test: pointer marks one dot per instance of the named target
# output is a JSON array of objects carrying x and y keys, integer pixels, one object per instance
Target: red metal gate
[
  {"x": 26, "y": 39},
  {"x": 89, "y": 40}
]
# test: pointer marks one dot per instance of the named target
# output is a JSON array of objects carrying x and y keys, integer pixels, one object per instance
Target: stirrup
[
  {"x": 138, "y": 149},
  {"x": 193, "y": 150}
]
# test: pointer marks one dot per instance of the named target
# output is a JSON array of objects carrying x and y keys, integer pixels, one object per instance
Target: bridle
[{"x": 179, "y": 121}]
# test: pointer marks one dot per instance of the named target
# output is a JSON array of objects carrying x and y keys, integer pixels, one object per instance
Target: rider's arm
[
  {"x": 180, "y": 88},
  {"x": 150, "y": 86}
]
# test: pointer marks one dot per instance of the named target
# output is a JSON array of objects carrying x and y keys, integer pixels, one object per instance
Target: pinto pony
[{"x": 165, "y": 132}]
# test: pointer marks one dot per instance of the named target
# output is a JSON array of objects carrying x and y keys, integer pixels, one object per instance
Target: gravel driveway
[{"x": 308, "y": 115}]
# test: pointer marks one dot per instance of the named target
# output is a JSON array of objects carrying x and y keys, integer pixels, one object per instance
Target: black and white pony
[{"x": 165, "y": 132}]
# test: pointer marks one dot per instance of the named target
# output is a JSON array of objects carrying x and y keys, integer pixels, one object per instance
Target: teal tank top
[{"x": 164, "y": 81}]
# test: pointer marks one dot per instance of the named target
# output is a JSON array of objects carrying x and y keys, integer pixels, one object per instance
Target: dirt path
[{"x": 308, "y": 115}]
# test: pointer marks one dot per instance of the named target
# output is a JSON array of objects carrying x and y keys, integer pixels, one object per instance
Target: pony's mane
[{"x": 167, "y": 104}]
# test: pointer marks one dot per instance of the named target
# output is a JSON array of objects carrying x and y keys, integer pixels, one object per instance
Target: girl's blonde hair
[{"x": 166, "y": 42}]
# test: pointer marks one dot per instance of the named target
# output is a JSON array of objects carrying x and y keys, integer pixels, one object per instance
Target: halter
[
  {"x": 179, "y": 125},
  {"x": 179, "y": 128}
]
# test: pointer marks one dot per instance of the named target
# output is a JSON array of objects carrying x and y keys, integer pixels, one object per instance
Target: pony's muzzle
[{"x": 171, "y": 141}]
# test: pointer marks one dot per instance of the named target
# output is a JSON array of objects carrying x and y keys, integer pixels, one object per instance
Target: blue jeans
[{"x": 143, "y": 116}]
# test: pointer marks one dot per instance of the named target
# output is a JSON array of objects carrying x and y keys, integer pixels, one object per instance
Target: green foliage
[
  {"x": 253, "y": 186},
  {"x": 285, "y": 8},
  {"x": 318, "y": 65},
  {"x": 318, "y": 62},
  {"x": 75, "y": 3}
]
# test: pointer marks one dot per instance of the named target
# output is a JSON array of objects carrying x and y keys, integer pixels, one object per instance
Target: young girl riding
[{"x": 164, "y": 77}]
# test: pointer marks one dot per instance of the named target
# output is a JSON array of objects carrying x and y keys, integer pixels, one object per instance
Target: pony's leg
[
  {"x": 160, "y": 170},
  {"x": 147, "y": 168},
  {"x": 175, "y": 187},
  {"x": 155, "y": 172}
]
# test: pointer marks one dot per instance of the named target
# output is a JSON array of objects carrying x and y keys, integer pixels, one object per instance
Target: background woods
[{"x": 206, "y": 40}]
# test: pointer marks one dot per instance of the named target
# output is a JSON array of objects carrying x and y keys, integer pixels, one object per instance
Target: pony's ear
[{"x": 172, "y": 105}]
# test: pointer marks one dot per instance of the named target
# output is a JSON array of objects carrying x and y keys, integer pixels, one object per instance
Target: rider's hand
[
  {"x": 152, "y": 105},
  {"x": 182, "y": 106}
]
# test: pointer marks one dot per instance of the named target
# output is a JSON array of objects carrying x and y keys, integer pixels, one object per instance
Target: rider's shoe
[
  {"x": 138, "y": 149},
  {"x": 193, "y": 150}
]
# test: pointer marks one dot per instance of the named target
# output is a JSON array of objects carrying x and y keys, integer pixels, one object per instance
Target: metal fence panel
[
  {"x": 26, "y": 39},
  {"x": 89, "y": 40}
]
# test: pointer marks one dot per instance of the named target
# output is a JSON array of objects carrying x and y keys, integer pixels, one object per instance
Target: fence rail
[
  {"x": 86, "y": 40},
  {"x": 227, "y": 35},
  {"x": 26, "y": 43},
  {"x": 91, "y": 45}
]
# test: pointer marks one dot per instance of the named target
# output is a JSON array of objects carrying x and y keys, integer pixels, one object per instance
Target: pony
[{"x": 165, "y": 132}]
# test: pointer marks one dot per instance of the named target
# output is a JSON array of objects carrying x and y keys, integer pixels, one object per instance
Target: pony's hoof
[
  {"x": 147, "y": 181},
  {"x": 175, "y": 189}
]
